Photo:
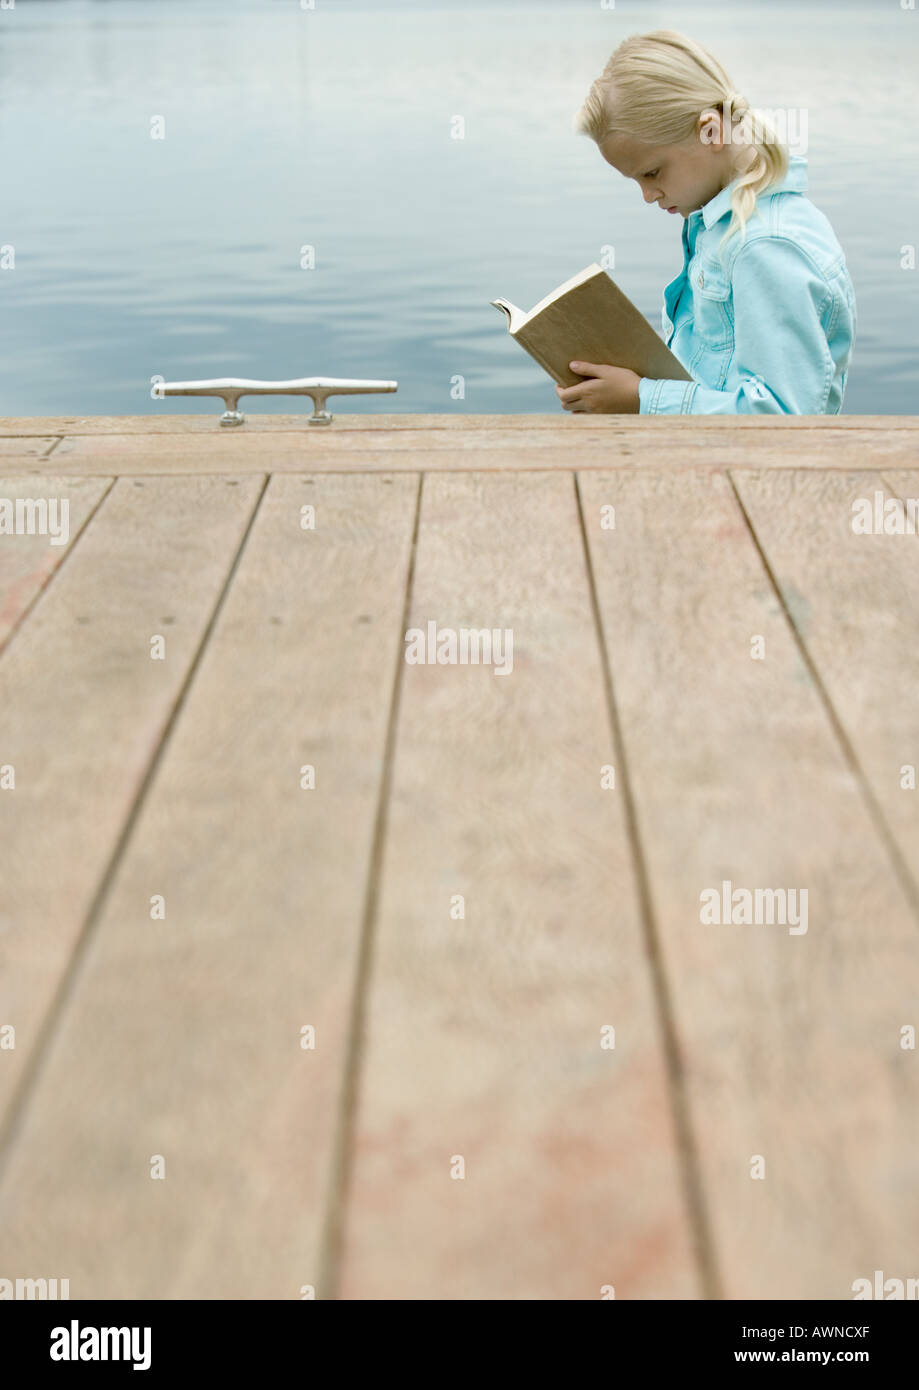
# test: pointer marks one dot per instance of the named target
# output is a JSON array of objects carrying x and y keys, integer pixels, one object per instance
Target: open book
[{"x": 589, "y": 319}]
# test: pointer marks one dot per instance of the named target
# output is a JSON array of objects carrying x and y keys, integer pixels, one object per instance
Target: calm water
[{"x": 331, "y": 128}]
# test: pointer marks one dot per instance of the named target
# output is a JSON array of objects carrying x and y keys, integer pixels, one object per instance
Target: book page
[{"x": 578, "y": 279}]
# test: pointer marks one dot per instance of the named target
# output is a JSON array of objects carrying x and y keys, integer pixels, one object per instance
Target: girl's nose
[{"x": 650, "y": 196}]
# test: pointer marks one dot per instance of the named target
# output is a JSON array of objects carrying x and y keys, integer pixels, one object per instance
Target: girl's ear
[{"x": 711, "y": 128}]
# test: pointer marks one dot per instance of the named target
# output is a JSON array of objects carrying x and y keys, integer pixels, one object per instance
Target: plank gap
[
  {"x": 330, "y": 1248},
  {"x": 11, "y": 1121},
  {"x": 872, "y": 804},
  {"x": 682, "y": 1117}
]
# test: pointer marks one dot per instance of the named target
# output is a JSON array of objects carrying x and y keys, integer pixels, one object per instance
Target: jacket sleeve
[{"x": 782, "y": 363}]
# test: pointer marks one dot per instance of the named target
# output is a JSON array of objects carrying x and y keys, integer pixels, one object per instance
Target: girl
[{"x": 762, "y": 315}]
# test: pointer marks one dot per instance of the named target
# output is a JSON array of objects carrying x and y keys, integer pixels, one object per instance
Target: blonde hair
[{"x": 655, "y": 87}]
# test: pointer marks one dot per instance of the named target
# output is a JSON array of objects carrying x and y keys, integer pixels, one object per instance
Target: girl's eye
[{"x": 653, "y": 174}]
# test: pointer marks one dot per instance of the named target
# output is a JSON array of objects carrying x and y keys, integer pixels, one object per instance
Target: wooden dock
[{"x": 442, "y": 1018}]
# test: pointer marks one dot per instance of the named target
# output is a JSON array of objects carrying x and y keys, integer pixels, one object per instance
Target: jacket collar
[{"x": 795, "y": 181}]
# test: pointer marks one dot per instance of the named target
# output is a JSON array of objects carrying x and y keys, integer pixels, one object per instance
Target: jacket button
[{"x": 701, "y": 278}]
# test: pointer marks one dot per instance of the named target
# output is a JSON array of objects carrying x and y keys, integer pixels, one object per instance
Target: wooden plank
[
  {"x": 27, "y": 562},
  {"x": 182, "y": 1036},
  {"x": 790, "y": 1043},
  {"x": 540, "y": 450},
  {"x": 29, "y": 447},
  {"x": 904, "y": 484},
  {"x": 853, "y": 599},
  {"x": 256, "y": 419},
  {"x": 482, "y": 1036},
  {"x": 310, "y": 443},
  {"x": 83, "y": 707}
]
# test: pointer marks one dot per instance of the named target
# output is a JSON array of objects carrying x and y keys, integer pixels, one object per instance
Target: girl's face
[{"x": 679, "y": 178}]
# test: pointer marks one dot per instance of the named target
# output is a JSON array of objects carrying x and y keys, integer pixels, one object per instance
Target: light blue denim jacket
[{"x": 771, "y": 328}]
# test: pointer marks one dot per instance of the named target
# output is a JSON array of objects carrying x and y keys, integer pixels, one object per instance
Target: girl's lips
[{"x": 673, "y": 209}]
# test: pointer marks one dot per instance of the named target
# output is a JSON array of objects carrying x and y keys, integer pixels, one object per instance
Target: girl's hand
[{"x": 609, "y": 390}]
